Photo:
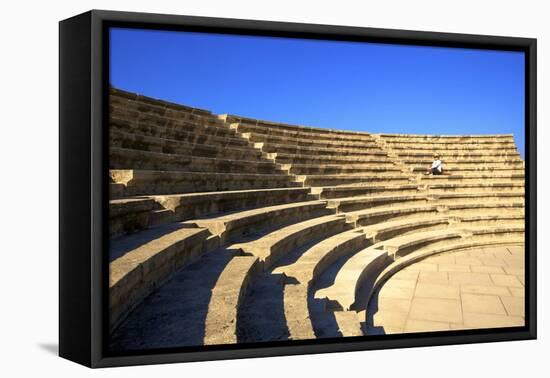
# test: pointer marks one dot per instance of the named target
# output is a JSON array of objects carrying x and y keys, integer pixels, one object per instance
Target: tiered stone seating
[
  {"x": 140, "y": 182},
  {"x": 133, "y": 214},
  {"x": 134, "y": 256},
  {"x": 220, "y": 325},
  {"x": 458, "y": 153},
  {"x": 305, "y": 271},
  {"x": 121, "y": 158},
  {"x": 160, "y": 148},
  {"x": 140, "y": 263},
  {"x": 228, "y": 229},
  {"x": 324, "y": 157},
  {"x": 239, "y": 224},
  {"x": 371, "y": 202},
  {"x": 364, "y": 265},
  {"x": 171, "y": 163}
]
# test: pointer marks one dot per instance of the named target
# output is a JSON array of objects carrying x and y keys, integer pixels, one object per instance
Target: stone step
[
  {"x": 299, "y": 169},
  {"x": 195, "y": 205},
  {"x": 501, "y": 236},
  {"x": 388, "y": 229},
  {"x": 462, "y": 170},
  {"x": 333, "y": 192},
  {"x": 127, "y": 119},
  {"x": 482, "y": 176},
  {"x": 316, "y": 259},
  {"x": 453, "y": 149},
  {"x": 284, "y": 158},
  {"x": 349, "y": 323},
  {"x": 280, "y": 133},
  {"x": 450, "y": 145},
  {"x": 314, "y": 151},
  {"x": 511, "y": 186},
  {"x": 331, "y": 180},
  {"x": 492, "y": 219},
  {"x": 403, "y": 244},
  {"x": 161, "y": 217},
  {"x": 122, "y": 158},
  {"x": 274, "y": 128},
  {"x": 372, "y": 216},
  {"x": 309, "y": 142},
  {"x": 415, "y": 138},
  {"x": 341, "y": 294},
  {"x": 271, "y": 247},
  {"x": 122, "y": 94},
  {"x": 250, "y": 223},
  {"x": 465, "y": 161},
  {"x": 129, "y": 215},
  {"x": 501, "y": 197},
  {"x": 456, "y": 154},
  {"x": 153, "y": 107},
  {"x": 227, "y": 295},
  {"x": 136, "y": 141},
  {"x": 379, "y": 214},
  {"x": 372, "y": 201},
  {"x": 115, "y": 190},
  {"x": 305, "y": 270},
  {"x": 469, "y": 208},
  {"x": 132, "y": 214},
  {"x": 297, "y": 316},
  {"x": 183, "y": 132},
  {"x": 458, "y": 181},
  {"x": 392, "y": 228},
  {"x": 261, "y": 315},
  {"x": 139, "y": 263},
  {"x": 151, "y": 182},
  {"x": 482, "y": 196},
  {"x": 175, "y": 314}
]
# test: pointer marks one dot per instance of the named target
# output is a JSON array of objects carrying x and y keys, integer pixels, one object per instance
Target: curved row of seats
[
  {"x": 227, "y": 229},
  {"x": 159, "y": 149}
]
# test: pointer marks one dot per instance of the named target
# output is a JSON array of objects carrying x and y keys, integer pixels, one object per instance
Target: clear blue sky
[{"x": 332, "y": 84}]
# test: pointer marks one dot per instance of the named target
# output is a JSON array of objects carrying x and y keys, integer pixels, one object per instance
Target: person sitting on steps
[{"x": 436, "y": 168}]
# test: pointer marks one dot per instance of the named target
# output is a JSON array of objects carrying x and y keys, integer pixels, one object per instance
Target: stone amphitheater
[{"x": 225, "y": 229}]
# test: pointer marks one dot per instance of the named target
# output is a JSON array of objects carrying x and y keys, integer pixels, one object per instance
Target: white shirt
[{"x": 437, "y": 164}]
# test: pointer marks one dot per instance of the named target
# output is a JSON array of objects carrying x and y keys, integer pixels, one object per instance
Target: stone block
[
  {"x": 438, "y": 310},
  {"x": 506, "y": 280},
  {"x": 476, "y": 320},
  {"x": 438, "y": 291},
  {"x": 482, "y": 304}
]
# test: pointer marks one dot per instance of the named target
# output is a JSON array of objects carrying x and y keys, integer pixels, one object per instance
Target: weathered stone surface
[
  {"x": 152, "y": 182},
  {"x": 195, "y": 205},
  {"x": 444, "y": 300},
  {"x": 232, "y": 226},
  {"x": 221, "y": 318},
  {"x": 296, "y": 232},
  {"x": 302, "y": 273},
  {"x": 124, "y": 158},
  {"x": 351, "y": 276},
  {"x": 276, "y": 244},
  {"x": 140, "y": 263}
]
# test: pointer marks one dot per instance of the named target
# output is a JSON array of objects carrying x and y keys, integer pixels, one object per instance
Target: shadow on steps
[{"x": 174, "y": 314}]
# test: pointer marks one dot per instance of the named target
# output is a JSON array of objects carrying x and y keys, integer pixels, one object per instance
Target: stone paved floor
[{"x": 481, "y": 288}]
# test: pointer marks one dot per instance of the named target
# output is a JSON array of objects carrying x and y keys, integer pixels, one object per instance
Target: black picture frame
[{"x": 83, "y": 205}]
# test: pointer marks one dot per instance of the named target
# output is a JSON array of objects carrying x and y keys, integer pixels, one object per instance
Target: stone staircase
[{"x": 227, "y": 229}]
